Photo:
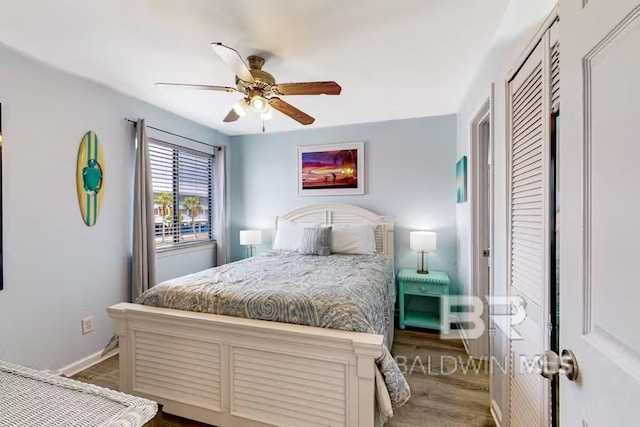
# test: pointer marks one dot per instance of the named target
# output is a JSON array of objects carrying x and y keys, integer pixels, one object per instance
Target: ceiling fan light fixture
[
  {"x": 260, "y": 104},
  {"x": 241, "y": 107}
]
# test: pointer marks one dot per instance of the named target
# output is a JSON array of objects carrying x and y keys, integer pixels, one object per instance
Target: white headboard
[{"x": 339, "y": 213}]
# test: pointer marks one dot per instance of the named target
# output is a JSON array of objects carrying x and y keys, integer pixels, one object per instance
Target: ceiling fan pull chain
[{"x": 263, "y": 125}]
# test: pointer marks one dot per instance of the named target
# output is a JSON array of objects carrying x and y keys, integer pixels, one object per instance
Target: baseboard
[
  {"x": 496, "y": 413},
  {"x": 85, "y": 363}
]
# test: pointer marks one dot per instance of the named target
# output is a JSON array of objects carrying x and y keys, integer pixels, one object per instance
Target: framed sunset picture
[{"x": 331, "y": 170}]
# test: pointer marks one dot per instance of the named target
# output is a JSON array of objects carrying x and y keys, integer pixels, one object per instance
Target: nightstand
[{"x": 433, "y": 285}]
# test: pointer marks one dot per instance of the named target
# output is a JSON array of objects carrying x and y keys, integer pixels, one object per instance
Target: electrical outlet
[{"x": 87, "y": 325}]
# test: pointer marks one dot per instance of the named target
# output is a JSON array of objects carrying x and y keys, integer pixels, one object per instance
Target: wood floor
[{"x": 446, "y": 389}]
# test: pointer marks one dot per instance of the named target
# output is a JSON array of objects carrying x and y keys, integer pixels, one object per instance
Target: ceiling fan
[{"x": 261, "y": 93}]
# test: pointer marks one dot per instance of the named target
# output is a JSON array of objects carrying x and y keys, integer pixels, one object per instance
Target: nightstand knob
[{"x": 423, "y": 288}]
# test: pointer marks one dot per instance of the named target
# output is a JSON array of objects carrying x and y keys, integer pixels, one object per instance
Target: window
[{"x": 182, "y": 181}]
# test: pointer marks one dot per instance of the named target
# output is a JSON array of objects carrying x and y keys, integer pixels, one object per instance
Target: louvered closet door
[
  {"x": 555, "y": 67},
  {"x": 528, "y": 146}
]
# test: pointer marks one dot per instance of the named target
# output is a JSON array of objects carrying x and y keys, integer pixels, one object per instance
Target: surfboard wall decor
[{"x": 90, "y": 178}]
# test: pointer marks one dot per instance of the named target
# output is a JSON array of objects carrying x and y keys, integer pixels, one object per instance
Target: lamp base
[
  {"x": 422, "y": 265},
  {"x": 250, "y": 250}
]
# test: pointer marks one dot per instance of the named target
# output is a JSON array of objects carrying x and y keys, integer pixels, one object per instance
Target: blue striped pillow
[{"x": 316, "y": 241}]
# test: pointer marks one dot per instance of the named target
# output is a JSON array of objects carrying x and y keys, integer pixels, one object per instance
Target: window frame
[{"x": 177, "y": 245}]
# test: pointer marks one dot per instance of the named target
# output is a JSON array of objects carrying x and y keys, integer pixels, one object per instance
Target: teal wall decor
[{"x": 461, "y": 180}]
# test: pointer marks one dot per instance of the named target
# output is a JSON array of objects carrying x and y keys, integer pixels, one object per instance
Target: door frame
[{"x": 481, "y": 286}]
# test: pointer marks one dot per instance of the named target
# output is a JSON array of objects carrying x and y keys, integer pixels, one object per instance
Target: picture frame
[
  {"x": 331, "y": 169},
  {"x": 461, "y": 180}
]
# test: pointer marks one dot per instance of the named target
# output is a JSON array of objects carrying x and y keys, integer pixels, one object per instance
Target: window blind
[{"x": 182, "y": 181}]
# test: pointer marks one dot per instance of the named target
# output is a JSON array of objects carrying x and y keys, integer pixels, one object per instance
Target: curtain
[
  {"x": 144, "y": 251},
  {"x": 220, "y": 206}
]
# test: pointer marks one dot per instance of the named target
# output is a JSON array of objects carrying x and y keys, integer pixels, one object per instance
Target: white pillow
[
  {"x": 289, "y": 235},
  {"x": 353, "y": 239}
]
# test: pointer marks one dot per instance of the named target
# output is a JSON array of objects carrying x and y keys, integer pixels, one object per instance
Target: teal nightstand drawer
[{"x": 425, "y": 288}]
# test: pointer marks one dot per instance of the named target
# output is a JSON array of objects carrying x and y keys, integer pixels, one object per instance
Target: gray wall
[
  {"x": 57, "y": 270},
  {"x": 521, "y": 20},
  {"x": 410, "y": 175},
  {"x": 491, "y": 71},
  {"x": 184, "y": 261}
]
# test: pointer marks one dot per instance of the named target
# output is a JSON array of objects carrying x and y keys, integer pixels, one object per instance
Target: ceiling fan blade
[
  {"x": 231, "y": 117},
  {"x": 232, "y": 58},
  {"x": 291, "y": 111},
  {"x": 309, "y": 88},
  {"x": 199, "y": 87}
]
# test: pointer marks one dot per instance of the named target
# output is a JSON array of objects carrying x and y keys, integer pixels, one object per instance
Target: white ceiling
[{"x": 393, "y": 58}]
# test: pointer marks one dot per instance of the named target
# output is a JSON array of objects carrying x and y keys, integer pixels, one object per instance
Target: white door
[{"x": 600, "y": 211}]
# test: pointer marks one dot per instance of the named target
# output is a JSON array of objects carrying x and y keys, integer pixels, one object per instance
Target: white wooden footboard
[{"x": 231, "y": 371}]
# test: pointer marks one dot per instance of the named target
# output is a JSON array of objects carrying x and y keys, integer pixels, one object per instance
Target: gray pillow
[{"x": 316, "y": 241}]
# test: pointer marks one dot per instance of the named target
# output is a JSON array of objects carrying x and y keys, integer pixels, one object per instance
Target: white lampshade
[
  {"x": 250, "y": 237},
  {"x": 259, "y": 104},
  {"x": 423, "y": 241},
  {"x": 241, "y": 107}
]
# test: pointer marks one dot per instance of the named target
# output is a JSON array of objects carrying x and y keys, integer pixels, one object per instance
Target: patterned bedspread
[{"x": 347, "y": 292}]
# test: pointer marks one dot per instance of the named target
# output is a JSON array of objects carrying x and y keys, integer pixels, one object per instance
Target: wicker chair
[{"x": 30, "y": 398}]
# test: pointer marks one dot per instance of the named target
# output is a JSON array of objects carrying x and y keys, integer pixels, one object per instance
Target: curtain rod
[{"x": 135, "y": 122}]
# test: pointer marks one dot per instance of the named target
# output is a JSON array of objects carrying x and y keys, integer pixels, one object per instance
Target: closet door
[
  {"x": 555, "y": 68},
  {"x": 528, "y": 114}
]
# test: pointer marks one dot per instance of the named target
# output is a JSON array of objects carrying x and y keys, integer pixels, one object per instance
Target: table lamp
[
  {"x": 250, "y": 238},
  {"x": 423, "y": 242}
]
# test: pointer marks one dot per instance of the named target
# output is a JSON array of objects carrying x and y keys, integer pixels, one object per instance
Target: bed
[{"x": 250, "y": 344}]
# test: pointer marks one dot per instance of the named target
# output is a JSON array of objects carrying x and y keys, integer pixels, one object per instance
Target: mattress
[
  {"x": 30, "y": 398},
  {"x": 347, "y": 292}
]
